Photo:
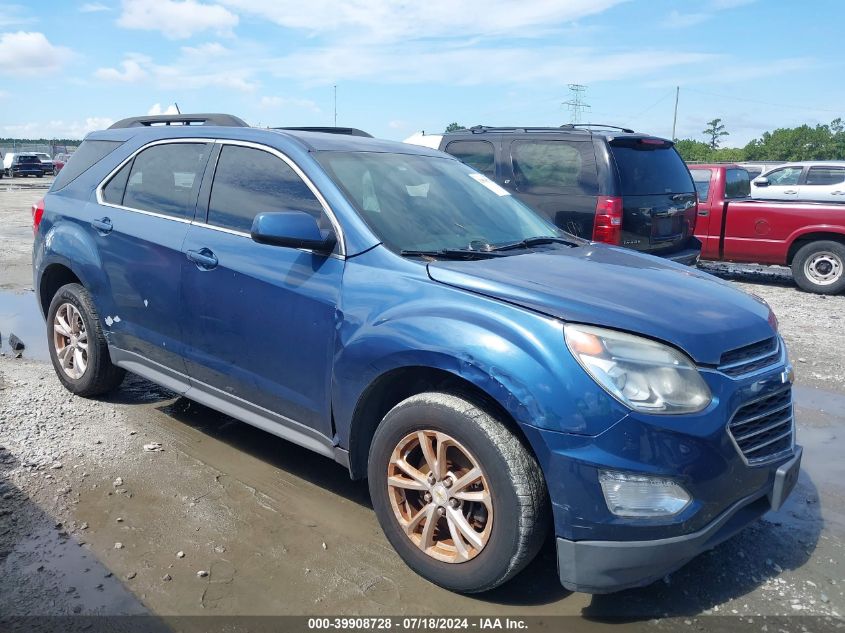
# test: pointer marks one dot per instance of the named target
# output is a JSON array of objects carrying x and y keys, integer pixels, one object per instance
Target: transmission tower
[{"x": 576, "y": 103}]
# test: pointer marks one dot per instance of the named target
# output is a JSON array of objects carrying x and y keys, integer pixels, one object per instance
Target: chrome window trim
[
  {"x": 131, "y": 157},
  {"x": 259, "y": 146}
]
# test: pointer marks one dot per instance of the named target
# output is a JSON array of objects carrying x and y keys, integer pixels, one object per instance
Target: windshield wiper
[
  {"x": 530, "y": 242},
  {"x": 451, "y": 253}
]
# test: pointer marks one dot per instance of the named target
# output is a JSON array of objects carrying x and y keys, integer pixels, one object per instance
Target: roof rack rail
[
  {"x": 480, "y": 129},
  {"x": 349, "y": 131},
  {"x": 601, "y": 126},
  {"x": 223, "y": 120}
]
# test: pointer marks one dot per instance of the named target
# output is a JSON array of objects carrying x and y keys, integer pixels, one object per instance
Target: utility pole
[
  {"x": 335, "y": 105},
  {"x": 576, "y": 103},
  {"x": 675, "y": 118}
]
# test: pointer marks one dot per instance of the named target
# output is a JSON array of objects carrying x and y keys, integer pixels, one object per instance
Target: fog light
[{"x": 641, "y": 496}]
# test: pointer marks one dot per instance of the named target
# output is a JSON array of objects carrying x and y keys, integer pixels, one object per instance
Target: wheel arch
[
  {"x": 53, "y": 277},
  {"x": 799, "y": 241},
  {"x": 396, "y": 385}
]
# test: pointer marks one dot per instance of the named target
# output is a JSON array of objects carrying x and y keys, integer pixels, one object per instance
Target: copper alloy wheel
[
  {"x": 440, "y": 496},
  {"x": 70, "y": 340}
]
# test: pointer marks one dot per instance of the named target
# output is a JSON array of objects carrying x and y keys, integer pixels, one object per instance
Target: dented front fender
[{"x": 516, "y": 356}]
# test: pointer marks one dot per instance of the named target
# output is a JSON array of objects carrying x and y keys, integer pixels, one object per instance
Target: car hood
[{"x": 620, "y": 289}]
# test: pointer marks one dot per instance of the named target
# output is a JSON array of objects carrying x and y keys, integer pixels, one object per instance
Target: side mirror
[
  {"x": 761, "y": 181},
  {"x": 294, "y": 229}
]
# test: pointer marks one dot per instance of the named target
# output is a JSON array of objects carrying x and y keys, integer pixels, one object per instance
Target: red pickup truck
[{"x": 807, "y": 236}]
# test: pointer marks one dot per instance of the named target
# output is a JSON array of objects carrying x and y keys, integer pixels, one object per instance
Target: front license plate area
[{"x": 785, "y": 479}]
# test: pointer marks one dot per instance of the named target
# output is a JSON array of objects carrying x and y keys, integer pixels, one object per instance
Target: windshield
[{"x": 425, "y": 203}]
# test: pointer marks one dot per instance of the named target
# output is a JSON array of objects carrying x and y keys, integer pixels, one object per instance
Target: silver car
[{"x": 808, "y": 181}]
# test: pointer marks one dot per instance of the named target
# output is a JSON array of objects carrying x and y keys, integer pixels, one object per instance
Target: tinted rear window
[
  {"x": 165, "y": 179},
  {"x": 29, "y": 159},
  {"x": 701, "y": 178},
  {"x": 555, "y": 167},
  {"x": 89, "y": 153},
  {"x": 825, "y": 175},
  {"x": 649, "y": 169}
]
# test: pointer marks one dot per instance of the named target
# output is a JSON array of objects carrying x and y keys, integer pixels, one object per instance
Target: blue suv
[{"x": 390, "y": 308}]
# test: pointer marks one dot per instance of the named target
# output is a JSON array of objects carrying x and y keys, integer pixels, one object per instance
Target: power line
[
  {"x": 768, "y": 103},
  {"x": 576, "y": 103}
]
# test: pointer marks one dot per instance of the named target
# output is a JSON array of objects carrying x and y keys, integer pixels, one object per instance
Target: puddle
[
  {"x": 56, "y": 565},
  {"x": 821, "y": 431},
  {"x": 19, "y": 314}
]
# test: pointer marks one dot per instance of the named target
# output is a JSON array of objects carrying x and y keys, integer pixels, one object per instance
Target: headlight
[{"x": 642, "y": 374}]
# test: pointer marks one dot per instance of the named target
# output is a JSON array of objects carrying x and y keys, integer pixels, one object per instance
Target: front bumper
[{"x": 608, "y": 566}]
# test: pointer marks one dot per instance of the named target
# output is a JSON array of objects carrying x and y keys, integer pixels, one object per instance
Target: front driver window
[{"x": 785, "y": 177}]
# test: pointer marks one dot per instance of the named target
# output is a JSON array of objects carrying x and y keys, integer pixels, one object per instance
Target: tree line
[{"x": 821, "y": 142}]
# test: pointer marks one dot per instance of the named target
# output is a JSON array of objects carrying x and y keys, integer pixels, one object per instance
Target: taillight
[
  {"x": 608, "y": 226},
  {"x": 37, "y": 214}
]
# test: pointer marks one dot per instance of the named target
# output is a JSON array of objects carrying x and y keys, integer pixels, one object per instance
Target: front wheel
[
  {"x": 458, "y": 495},
  {"x": 77, "y": 345},
  {"x": 820, "y": 267}
]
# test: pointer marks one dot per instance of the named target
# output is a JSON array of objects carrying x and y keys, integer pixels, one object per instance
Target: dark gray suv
[{"x": 598, "y": 182}]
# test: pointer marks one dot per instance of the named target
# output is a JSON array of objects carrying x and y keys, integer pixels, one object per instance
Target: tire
[
  {"x": 820, "y": 267},
  {"x": 94, "y": 374},
  {"x": 513, "y": 526}
]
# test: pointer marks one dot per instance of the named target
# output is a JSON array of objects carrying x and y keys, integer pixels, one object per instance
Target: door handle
[
  {"x": 838, "y": 193},
  {"x": 703, "y": 213},
  {"x": 103, "y": 225},
  {"x": 790, "y": 191},
  {"x": 204, "y": 258}
]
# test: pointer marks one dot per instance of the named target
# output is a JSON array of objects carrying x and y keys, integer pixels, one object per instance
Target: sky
[{"x": 70, "y": 67}]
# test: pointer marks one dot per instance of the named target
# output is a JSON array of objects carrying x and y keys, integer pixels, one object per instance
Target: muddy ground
[{"x": 226, "y": 519}]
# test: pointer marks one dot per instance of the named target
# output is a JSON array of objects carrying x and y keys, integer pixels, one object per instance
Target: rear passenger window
[
  {"x": 251, "y": 181},
  {"x": 165, "y": 179},
  {"x": 701, "y": 178},
  {"x": 477, "y": 154},
  {"x": 551, "y": 167},
  {"x": 825, "y": 175},
  {"x": 113, "y": 191},
  {"x": 88, "y": 154},
  {"x": 737, "y": 184}
]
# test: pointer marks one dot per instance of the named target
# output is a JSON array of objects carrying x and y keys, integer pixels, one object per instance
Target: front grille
[
  {"x": 763, "y": 429},
  {"x": 750, "y": 358}
]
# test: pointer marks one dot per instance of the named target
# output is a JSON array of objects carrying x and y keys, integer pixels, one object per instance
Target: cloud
[
  {"x": 176, "y": 19},
  {"x": 739, "y": 73},
  {"x": 30, "y": 53},
  {"x": 390, "y": 20},
  {"x": 156, "y": 109},
  {"x": 56, "y": 128},
  {"x": 190, "y": 71},
  {"x": 13, "y": 15},
  {"x": 707, "y": 10},
  {"x": 274, "y": 103},
  {"x": 676, "y": 20},
  {"x": 132, "y": 72},
  {"x": 397, "y": 125},
  {"x": 93, "y": 7},
  {"x": 415, "y": 64}
]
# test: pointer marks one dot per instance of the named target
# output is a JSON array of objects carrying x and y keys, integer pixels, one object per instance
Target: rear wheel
[
  {"x": 820, "y": 267},
  {"x": 77, "y": 345},
  {"x": 458, "y": 496}
]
